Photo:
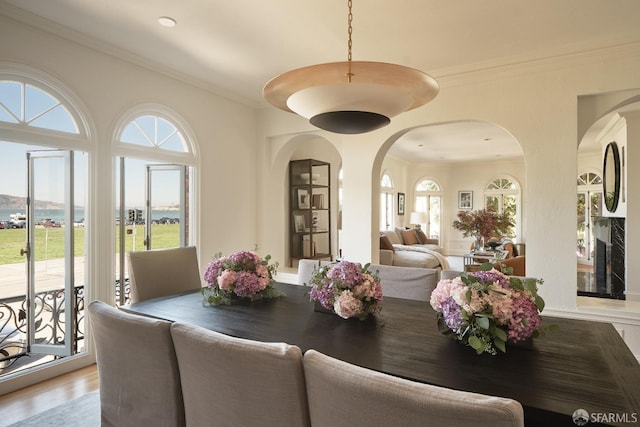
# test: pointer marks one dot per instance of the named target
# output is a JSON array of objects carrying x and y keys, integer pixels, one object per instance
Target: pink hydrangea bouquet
[
  {"x": 347, "y": 288},
  {"x": 487, "y": 309},
  {"x": 242, "y": 274}
]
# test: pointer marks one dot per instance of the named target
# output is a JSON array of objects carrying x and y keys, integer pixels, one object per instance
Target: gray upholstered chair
[
  {"x": 406, "y": 282},
  {"x": 228, "y": 381},
  {"x": 342, "y": 394},
  {"x": 306, "y": 268},
  {"x": 163, "y": 272},
  {"x": 137, "y": 369}
]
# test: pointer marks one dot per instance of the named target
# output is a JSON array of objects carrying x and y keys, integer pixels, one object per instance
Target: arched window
[
  {"x": 27, "y": 105},
  {"x": 44, "y": 170},
  {"x": 154, "y": 131},
  {"x": 155, "y": 170},
  {"x": 589, "y": 205},
  {"x": 386, "y": 202},
  {"x": 503, "y": 195},
  {"x": 428, "y": 199}
]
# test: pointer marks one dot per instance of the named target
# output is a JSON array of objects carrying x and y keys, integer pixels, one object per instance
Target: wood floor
[{"x": 22, "y": 404}]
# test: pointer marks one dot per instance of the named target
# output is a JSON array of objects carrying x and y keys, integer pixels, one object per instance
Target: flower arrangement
[
  {"x": 483, "y": 223},
  {"x": 486, "y": 309},
  {"x": 348, "y": 289},
  {"x": 242, "y": 274}
]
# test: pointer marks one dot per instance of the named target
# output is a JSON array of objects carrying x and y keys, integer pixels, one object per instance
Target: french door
[
  {"x": 166, "y": 189},
  {"x": 50, "y": 297},
  {"x": 152, "y": 211}
]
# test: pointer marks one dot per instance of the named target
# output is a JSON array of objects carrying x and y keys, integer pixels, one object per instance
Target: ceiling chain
[{"x": 350, "y": 43}]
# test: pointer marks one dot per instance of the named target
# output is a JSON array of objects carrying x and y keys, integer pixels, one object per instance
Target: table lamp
[{"x": 417, "y": 219}]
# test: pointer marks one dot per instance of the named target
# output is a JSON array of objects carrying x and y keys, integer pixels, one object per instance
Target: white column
[{"x": 632, "y": 188}]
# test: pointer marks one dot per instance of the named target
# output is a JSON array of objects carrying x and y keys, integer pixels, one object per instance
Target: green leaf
[
  {"x": 486, "y": 266},
  {"x": 500, "y": 345},
  {"x": 468, "y": 295},
  {"x": 476, "y": 344},
  {"x": 539, "y": 302},
  {"x": 483, "y": 322},
  {"x": 500, "y": 334}
]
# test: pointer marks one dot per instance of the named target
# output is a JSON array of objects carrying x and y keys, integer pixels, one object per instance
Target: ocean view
[{"x": 57, "y": 215}]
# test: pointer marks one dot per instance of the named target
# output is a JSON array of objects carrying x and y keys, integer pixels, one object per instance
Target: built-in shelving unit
[{"x": 309, "y": 210}]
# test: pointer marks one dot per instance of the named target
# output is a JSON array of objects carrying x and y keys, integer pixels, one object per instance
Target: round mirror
[{"x": 611, "y": 176}]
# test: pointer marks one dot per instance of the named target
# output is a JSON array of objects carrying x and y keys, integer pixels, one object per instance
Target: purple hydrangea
[
  {"x": 349, "y": 273},
  {"x": 452, "y": 314},
  {"x": 347, "y": 289},
  {"x": 492, "y": 276}
]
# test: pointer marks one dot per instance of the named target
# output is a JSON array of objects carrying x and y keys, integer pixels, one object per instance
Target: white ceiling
[{"x": 234, "y": 47}]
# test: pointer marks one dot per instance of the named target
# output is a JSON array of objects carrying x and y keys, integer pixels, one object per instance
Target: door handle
[{"x": 25, "y": 251}]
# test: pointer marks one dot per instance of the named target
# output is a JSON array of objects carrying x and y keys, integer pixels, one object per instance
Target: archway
[
  {"x": 461, "y": 155},
  {"x": 275, "y": 236}
]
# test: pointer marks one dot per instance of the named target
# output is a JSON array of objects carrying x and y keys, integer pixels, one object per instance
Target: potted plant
[{"x": 483, "y": 224}]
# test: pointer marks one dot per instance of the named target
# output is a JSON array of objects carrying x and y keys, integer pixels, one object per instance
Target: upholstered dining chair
[
  {"x": 137, "y": 369},
  {"x": 229, "y": 381},
  {"x": 406, "y": 282},
  {"x": 341, "y": 394},
  {"x": 162, "y": 272}
]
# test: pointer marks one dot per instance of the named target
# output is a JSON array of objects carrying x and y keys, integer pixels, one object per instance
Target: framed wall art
[
  {"x": 400, "y": 203},
  {"x": 465, "y": 199}
]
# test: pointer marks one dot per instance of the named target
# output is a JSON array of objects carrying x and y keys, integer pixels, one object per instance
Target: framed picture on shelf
[
  {"x": 317, "y": 201},
  {"x": 303, "y": 199},
  {"x": 400, "y": 203},
  {"x": 465, "y": 199},
  {"x": 298, "y": 223}
]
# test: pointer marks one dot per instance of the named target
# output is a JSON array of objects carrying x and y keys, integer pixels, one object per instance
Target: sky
[{"x": 26, "y": 104}]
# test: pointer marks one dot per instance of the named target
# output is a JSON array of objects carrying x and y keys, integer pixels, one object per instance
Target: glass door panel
[
  {"x": 51, "y": 296},
  {"x": 165, "y": 225}
]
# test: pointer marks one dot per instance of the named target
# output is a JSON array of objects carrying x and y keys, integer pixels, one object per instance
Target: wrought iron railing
[{"x": 50, "y": 322}]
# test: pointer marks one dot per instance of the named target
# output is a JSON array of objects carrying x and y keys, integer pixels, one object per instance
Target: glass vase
[{"x": 478, "y": 244}]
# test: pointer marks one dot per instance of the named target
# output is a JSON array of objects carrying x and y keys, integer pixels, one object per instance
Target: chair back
[
  {"x": 341, "y": 394},
  {"x": 406, "y": 282},
  {"x": 163, "y": 272},
  {"x": 306, "y": 268},
  {"x": 228, "y": 381},
  {"x": 137, "y": 369}
]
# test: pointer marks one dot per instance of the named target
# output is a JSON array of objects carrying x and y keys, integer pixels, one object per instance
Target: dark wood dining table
[{"x": 584, "y": 365}]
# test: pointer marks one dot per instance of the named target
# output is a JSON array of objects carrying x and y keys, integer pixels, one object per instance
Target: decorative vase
[{"x": 478, "y": 244}]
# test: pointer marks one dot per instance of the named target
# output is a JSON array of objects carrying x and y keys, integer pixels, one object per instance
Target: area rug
[{"x": 81, "y": 412}]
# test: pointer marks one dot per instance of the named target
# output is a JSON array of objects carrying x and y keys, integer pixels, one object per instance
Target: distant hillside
[{"x": 20, "y": 203}]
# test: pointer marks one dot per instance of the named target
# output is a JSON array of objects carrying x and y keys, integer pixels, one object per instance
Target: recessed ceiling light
[{"x": 166, "y": 21}]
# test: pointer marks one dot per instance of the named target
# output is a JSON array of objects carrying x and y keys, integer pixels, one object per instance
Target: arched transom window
[
  {"x": 25, "y": 104},
  {"x": 154, "y": 131}
]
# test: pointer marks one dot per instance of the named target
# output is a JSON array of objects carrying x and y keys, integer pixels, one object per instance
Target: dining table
[{"x": 581, "y": 365}]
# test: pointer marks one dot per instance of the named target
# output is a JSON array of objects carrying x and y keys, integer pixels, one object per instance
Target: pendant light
[{"x": 351, "y": 97}]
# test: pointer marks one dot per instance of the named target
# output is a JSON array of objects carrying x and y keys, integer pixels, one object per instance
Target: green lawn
[{"x": 49, "y": 243}]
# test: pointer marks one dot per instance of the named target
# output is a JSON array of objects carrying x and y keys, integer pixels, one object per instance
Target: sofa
[{"x": 409, "y": 247}]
